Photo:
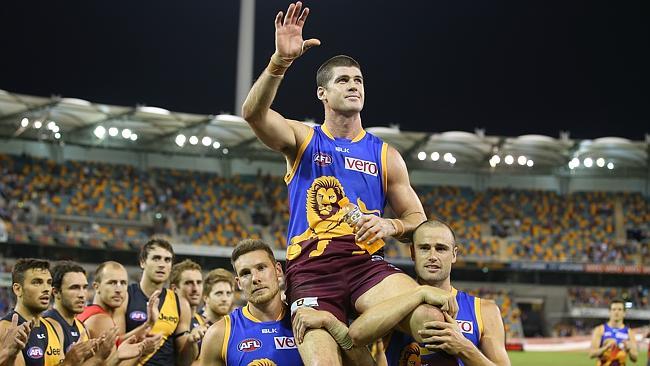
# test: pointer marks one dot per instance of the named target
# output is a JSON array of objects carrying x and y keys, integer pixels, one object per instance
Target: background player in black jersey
[
  {"x": 218, "y": 294},
  {"x": 150, "y": 304}
]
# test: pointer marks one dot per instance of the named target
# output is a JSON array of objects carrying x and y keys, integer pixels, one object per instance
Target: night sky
[{"x": 511, "y": 68}]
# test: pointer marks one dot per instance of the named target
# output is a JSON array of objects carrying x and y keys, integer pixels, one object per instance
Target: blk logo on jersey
[
  {"x": 269, "y": 331},
  {"x": 322, "y": 159},
  {"x": 362, "y": 166},
  {"x": 40, "y": 336},
  {"x": 138, "y": 316},
  {"x": 465, "y": 326},
  {"x": 74, "y": 334},
  {"x": 342, "y": 149},
  {"x": 284, "y": 342},
  {"x": 249, "y": 345},
  {"x": 35, "y": 352}
]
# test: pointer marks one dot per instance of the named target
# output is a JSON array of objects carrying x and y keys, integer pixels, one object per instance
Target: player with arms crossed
[
  {"x": 613, "y": 342},
  {"x": 334, "y": 261}
]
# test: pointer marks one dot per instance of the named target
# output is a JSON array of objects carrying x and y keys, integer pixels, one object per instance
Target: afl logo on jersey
[
  {"x": 138, "y": 316},
  {"x": 249, "y": 345},
  {"x": 322, "y": 159},
  {"x": 35, "y": 352}
]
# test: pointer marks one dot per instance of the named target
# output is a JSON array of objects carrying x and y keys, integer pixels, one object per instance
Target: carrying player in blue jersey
[
  {"x": 475, "y": 337},
  {"x": 613, "y": 342},
  {"x": 260, "y": 334},
  {"x": 335, "y": 263}
]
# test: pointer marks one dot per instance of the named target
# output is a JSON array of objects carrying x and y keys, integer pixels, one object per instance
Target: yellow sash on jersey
[
  {"x": 199, "y": 319},
  {"x": 54, "y": 352},
  {"x": 167, "y": 322}
]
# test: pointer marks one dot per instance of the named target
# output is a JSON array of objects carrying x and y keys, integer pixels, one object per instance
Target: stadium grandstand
[{"x": 550, "y": 228}]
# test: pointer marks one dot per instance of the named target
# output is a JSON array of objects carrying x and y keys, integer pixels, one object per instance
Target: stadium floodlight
[
  {"x": 24, "y": 122},
  {"x": 180, "y": 140},
  {"x": 422, "y": 155},
  {"x": 571, "y": 165},
  {"x": 530, "y": 163},
  {"x": 575, "y": 162},
  {"x": 50, "y": 125},
  {"x": 509, "y": 159},
  {"x": 55, "y": 129},
  {"x": 100, "y": 132},
  {"x": 610, "y": 165},
  {"x": 194, "y": 140},
  {"x": 126, "y": 133},
  {"x": 225, "y": 151},
  {"x": 496, "y": 159},
  {"x": 134, "y": 136},
  {"x": 113, "y": 131},
  {"x": 452, "y": 160},
  {"x": 447, "y": 157},
  {"x": 588, "y": 162},
  {"x": 216, "y": 144},
  {"x": 600, "y": 162},
  {"x": 521, "y": 160},
  {"x": 38, "y": 124},
  {"x": 493, "y": 163},
  {"x": 57, "y": 135},
  {"x": 435, "y": 156},
  {"x": 206, "y": 141}
]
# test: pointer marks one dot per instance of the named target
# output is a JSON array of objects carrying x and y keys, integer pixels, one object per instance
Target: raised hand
[
  {"x": 15, "y": 338},
  {"x": 106, "y": 343},
  {"x": 197, "y": 334},
  {"x": 152, "y": 308},
  {"x": 289, "y": 43},
  {"x": 80, "y": 352},
  {"x": 440, "y": 298}
]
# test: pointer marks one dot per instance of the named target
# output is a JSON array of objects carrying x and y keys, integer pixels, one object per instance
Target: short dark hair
[
  {"x": 215, "y": 276},
  {"x": 99, "y": 272},
  {"x": 247, "y": 246},
  {"x": 61, "y": 268},
  {"x": 324, "y": 73},
  {"x": 23, "y": 264},
  {"x": 433, "y": 223},
  {"x": 161, "y": 243},
  {"x": 617, "y": 301},
  {"x": 179, "y": 268}
]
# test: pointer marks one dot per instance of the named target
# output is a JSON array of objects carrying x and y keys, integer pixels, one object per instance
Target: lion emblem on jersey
[
  {"x": 262, "y": 362},
  {"x": 410, "y": 355}
]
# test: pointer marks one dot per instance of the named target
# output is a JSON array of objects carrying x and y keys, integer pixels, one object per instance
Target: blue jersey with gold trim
[
  {"x": 327, "y": 169},
  {"x": 71, "y": 333},
  {"x": 403, "y": 350},
  {"x": 616, "y": 355},
  {"x": 251, "y": 342}
]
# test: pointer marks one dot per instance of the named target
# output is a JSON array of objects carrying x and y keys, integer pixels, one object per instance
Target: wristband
[
  {"x": 278, "y": 65},
  {"x": 398, "y": 225}
]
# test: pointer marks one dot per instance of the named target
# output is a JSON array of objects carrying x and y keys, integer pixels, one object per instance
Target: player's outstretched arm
[
  {"x": 401, "y": 198},
  {"x": 270, "y": 127},
  {"x": 631, "y": 346},
  {"x": 377, "y": 321},
  {"x": 212, "y": 346}
]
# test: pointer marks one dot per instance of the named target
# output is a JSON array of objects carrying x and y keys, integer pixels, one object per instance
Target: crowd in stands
[
  {"x": 121, "y": 205},
  {"x": 510, "y": 312},
  {"x": 600, "y": 297}
]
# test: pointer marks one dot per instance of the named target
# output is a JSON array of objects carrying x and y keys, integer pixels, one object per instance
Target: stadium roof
[{"x": 151, "y": 129}]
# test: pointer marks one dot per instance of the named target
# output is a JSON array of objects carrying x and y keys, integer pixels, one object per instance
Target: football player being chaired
[{"x": 339, "y": 179}]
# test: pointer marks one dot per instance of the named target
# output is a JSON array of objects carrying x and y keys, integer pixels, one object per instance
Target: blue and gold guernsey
[
  {"x": 403, "y": 350},
  {"x": 615, "y": 356},
  {"x": 168, "y": 319},
  {"x": 43, "y": 347},
  {"x": 327, "y": 169},
  {"x": 251, "y": 342},
  {"x": 71, "y": 333}
]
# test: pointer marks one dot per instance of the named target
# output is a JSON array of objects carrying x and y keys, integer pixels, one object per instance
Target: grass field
[{"x": 562, "y": 359}]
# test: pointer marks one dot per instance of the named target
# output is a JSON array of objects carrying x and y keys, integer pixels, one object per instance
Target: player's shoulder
[
  {"x": 600, "y": 328},
  {"x": 489, "y": 308}
]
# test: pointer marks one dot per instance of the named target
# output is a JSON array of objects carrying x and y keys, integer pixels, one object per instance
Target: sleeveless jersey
[
  {"x": 168, "y": 319},
  {"x": 403, "y": 350},
  {"x": 91, "y": 310},
  {"x": 616, "y": 356},
  {"x": 326, "y": 170},
  {"x": 43, "y": 347},
  {"x": 71, "y": 333},
  {"x": 251, "y": 342}
]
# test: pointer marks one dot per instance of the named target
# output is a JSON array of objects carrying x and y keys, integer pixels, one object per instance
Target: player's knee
[{"x": 423, "y": 314}]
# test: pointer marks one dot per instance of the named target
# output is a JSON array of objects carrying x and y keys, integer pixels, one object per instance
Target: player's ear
[
  {"x": 238, "y": 284},
  {"x": 321, "y": 93},
  {"x": 455, "y": 253},
  {"x": 18, "y": 289},
  {"x": 412, "y": 250}
]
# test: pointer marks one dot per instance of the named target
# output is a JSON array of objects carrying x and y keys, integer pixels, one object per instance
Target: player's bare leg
[{"x": 319, "y": 349}]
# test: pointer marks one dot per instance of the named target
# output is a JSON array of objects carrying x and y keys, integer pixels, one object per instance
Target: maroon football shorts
[{"x": 335, "y": 279}]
